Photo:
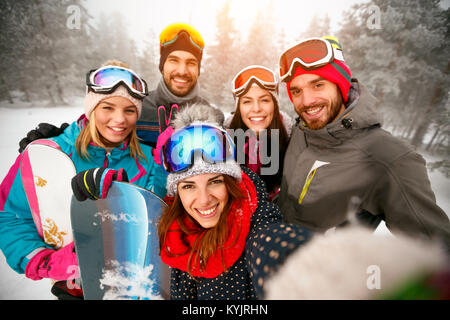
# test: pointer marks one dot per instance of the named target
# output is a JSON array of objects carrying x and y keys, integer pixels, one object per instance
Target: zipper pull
[{"x": 107, "y": 155}]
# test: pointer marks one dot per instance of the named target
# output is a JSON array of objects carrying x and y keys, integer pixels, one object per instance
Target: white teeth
[
  {"x": 257, "y": 119},
  {"x": 118, "y": 129},
  {"x": 180, "y": 80},
  {"x": 314, "y": 110},
  {"x": 206, "y": 212}
]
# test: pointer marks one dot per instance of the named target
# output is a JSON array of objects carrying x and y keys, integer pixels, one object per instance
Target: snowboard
[
  {"x": 117, "y": 245},
  {"x": 46, "y": 174}
]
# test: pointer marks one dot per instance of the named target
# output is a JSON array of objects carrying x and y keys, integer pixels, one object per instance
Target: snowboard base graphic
[
  {"x": 46, "y": 174},
  {"x": 117, "y": 245}
]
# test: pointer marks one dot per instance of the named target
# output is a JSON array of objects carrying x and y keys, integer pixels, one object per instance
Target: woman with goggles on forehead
[
  {"x": 103, "y": 147},
  {"x": 219, "y": 234},
  {"x": 255, "y": 90}
]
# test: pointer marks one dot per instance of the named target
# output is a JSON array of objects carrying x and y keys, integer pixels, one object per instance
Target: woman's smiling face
[
  {"x": 115, "y": 118},
  {"x": 204, "y": 197},
  {"x": 256, "y": 108}
]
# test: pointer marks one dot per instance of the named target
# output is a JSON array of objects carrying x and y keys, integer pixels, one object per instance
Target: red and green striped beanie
[{"x": 336, "y": 71}]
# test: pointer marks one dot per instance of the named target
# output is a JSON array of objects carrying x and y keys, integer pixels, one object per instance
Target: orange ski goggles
[
  {"x": 309, "y": 54},
  {"x": 170, "y": 35},
  {"x": 259, "y": 74}
]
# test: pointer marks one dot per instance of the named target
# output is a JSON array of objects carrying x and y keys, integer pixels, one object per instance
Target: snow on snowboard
[{"x": 117, "y": 245}]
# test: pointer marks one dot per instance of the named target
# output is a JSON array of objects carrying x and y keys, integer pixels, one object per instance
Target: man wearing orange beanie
[
  {"x": 181, "y": 52},
  {"x": 339, "y": 161}
]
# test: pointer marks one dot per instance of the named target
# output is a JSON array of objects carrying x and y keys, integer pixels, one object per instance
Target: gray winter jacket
[{"x": 351, "y": 165}]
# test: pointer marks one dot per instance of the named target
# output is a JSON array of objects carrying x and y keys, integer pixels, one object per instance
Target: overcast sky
[{"x": 292, "y": 16}]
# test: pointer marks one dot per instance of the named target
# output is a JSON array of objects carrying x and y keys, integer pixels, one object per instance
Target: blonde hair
[
  {"x": 90, "y": 133},
  {"x": 118, "y": 63}
]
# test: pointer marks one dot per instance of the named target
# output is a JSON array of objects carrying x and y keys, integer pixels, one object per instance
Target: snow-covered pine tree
[
  {"x": 404, "y": 61},
  {"x": 148, "y": 60},
  {"x": 221, "y": 61},
  {"x": 35, "y": 40}
]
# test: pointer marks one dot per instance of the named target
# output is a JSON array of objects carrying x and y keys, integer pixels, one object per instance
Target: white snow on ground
[
  {"x": 14, "y": 125},
  {"x": 16, "y": 121}
]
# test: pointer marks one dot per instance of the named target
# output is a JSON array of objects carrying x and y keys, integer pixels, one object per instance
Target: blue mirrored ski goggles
[
  {"x": 214, "y": 144},
  {"x": 106, "y": 79}
]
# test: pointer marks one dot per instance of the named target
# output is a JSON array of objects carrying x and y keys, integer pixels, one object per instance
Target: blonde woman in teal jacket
[{"x": 103, "y": 146}]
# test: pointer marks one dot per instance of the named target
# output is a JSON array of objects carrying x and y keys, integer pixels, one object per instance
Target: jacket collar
[{"x": 166, "y": 97}]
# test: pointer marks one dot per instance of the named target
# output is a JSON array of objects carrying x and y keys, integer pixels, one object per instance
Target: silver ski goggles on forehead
[
  {"x": 214, "y": 144},
  {"x": 106, "y": 79}
]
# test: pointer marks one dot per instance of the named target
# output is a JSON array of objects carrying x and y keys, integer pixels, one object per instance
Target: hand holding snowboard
[
  {"x": 117, "y": 245},
  {"x": 94, "y": 183}
]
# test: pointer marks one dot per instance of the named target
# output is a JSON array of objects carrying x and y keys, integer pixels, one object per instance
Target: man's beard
[
  {"x": 335, "y": 108},
  {"x": 177, "y": 91}
]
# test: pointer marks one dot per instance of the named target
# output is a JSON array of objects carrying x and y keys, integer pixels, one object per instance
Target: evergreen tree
[
  {"x": 404, "y": 61},
  {"x": 113, "y": 41},
  {"x": 221, "y": 62},
  {"x": 148, "y": 61},
  {"x": 318, "y": 27},
  {"x": 261, "y": 47},
  {"x": 12, "y": 47},
  {"x": 283, "y": 98},
  {"x": 35, "y": 37}
]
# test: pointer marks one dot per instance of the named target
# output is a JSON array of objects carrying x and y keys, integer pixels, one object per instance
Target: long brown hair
[
  {"x": 276, "y": 123},
  {"x": 208, "y": 240}
]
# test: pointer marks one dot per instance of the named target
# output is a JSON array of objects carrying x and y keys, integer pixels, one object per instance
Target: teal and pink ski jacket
[{"x": 19, "y": 237}]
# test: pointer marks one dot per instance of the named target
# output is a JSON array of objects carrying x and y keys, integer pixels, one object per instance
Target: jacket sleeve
[
  {"x": 407, "y": 201},
  {"x": 148, "y": 132},
  {"x": 270, "y": 241},
  {"x": 19, "y": 238},
  {"x": 156, "y": 179},
  {"x": 147, "y": 125}
]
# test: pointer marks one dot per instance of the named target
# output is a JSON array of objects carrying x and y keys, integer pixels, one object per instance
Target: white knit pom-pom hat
[{"x": 201, "y": 114}]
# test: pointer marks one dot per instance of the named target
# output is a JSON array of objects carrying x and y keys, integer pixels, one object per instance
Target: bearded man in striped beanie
[{"x": 340, "y": 163}]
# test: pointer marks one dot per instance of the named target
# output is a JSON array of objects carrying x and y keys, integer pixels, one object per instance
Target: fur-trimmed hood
[{"x": 198, "y": 113}]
